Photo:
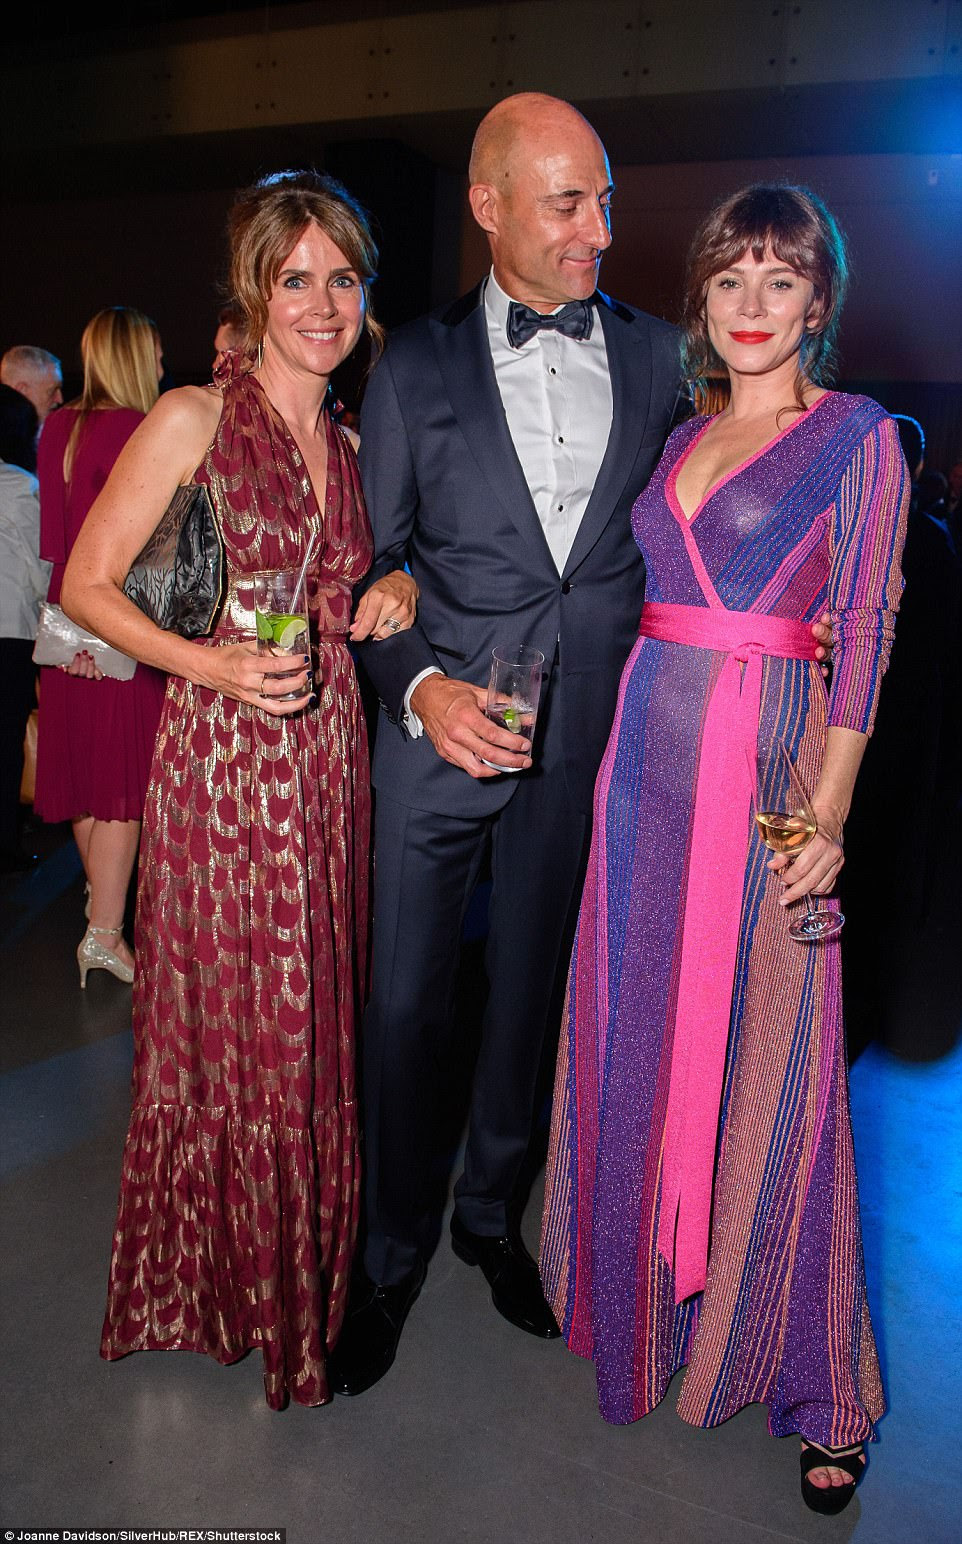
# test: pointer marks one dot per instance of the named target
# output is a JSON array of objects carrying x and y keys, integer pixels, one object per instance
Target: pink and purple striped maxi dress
[{"x": 813, "y": 522}]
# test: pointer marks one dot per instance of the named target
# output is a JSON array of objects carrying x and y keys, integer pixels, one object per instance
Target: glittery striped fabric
[
  {"x": 239, "y": 1191},
  {"x": 814, "y": 521}
]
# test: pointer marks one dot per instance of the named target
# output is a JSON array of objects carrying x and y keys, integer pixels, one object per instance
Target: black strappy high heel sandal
[{"x": 829, "y": 1499}]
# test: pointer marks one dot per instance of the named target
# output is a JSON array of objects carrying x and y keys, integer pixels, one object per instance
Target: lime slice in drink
[
  {"x": 265, "y": 630},
  {"x": 510, "y": 717},
  {"x": 287, "y": 630}
]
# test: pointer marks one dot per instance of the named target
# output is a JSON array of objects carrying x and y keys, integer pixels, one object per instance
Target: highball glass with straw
[{"x": 280, "y": 615}]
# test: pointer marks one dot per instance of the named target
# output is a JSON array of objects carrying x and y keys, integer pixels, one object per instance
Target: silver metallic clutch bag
[{"x": 59, "y": 639}]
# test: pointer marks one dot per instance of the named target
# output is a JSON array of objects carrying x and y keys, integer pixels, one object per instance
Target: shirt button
[
  {"x": 560, "y": 509},
  {"x": 552, "y": 370},
  {"x": 561, "y": 439}
]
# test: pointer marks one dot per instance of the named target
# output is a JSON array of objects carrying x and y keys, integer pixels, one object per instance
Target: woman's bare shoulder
[
  {"x": 188, "y": 408},
  {"x": 181, "y": 426},
  {"x": 174, "y": 437}
]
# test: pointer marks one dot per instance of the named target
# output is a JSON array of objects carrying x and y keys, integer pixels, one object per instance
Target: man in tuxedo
[{"x": 504, "y": 441}]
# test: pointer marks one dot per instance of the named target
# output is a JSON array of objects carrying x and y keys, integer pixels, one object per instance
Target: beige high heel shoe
[{"x": 92, "y": 955}]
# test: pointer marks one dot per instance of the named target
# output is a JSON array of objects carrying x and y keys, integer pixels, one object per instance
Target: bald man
[
  {"x": 504, "y": 440},
  {"x": 35, "y": 374}
]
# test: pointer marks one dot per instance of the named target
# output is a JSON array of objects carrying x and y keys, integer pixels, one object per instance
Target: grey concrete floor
[{"x": 479, "y": 1433}]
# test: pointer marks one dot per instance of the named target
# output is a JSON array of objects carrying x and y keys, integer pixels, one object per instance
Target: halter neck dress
[{"x": 239, "y": 1191}]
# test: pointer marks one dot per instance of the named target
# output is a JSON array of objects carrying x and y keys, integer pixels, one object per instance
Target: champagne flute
[{"x": 786, "y": 822}]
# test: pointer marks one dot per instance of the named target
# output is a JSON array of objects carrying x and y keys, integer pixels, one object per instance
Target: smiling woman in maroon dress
[{"x": 238, "y": 1203}]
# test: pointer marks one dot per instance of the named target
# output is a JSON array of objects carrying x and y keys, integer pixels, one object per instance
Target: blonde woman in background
[{"x": 96, "y": 735}]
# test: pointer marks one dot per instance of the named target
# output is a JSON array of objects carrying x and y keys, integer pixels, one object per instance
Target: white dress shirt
[
  {"x": 556, "y": 393},
  {"x": 557, "y": 400},
  {"x": 24, "y": 576}
]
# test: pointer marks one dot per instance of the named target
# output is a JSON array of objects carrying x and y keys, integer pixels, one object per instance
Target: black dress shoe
[
  {"x": 371, "y": 1332},
  {"x": 512, "y": 1275}
]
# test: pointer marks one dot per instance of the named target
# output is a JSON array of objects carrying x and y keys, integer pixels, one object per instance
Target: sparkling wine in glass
[{"x": 786, "y": 822}]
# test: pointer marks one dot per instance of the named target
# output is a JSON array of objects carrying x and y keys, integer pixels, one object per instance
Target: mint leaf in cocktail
[{"x": 265, "y": 629}]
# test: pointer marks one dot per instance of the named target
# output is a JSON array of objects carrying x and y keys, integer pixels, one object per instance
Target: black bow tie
[{"x": 574, "y": 320}]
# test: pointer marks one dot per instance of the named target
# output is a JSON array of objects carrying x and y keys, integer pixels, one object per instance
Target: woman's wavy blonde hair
[
  {"x": 119, "y": 353},
  {"x": 265, "y": 223}
]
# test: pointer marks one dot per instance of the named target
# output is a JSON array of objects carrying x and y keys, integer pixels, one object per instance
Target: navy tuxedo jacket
[{"x": 446, "y": 494}]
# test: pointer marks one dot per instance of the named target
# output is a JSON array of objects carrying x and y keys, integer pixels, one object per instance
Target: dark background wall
[{"x": 122, "y": 148}]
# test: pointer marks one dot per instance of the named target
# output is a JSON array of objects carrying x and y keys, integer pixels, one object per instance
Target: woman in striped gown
[{"x": 701, "y": 1206}]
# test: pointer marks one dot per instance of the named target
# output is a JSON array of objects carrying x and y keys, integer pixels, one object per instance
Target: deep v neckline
[
  {"x": 280, "y": 421},
  {"x": 742, "y": 466}
]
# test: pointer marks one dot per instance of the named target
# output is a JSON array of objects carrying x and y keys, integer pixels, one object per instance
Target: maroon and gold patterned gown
[{"x": 239, "y": 1192}]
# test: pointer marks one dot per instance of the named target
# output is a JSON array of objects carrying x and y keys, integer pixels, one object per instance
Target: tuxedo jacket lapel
[
  {"x": 464, "y": 359},
  {"x": 630, "y": 370}
]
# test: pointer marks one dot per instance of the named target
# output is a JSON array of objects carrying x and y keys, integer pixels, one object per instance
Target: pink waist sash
[{"x": 716, "y": 874}]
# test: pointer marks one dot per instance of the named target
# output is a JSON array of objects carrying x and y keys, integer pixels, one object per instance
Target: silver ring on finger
[{"x": 393, "y": 624}]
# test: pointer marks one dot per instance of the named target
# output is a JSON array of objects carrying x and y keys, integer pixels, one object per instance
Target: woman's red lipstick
[{"x": 751, "y": 337}]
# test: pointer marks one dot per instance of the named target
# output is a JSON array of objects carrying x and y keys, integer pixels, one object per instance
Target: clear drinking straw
[{"x": 307, "y": 558}]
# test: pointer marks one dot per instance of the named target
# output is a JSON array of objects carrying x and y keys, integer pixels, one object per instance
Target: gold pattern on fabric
[{"x": 239, "y": 1193}]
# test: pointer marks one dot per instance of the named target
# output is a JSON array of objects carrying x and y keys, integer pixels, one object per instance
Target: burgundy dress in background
[
  {"x": 814, "y": 521},
  {"x": 95, "y": 739},
  {"x": 239, "y": 1191}
]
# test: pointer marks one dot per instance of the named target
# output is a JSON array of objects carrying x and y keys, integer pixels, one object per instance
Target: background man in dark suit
[{"x": 503, "y": 443}]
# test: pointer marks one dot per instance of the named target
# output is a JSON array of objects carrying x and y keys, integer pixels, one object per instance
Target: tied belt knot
[
  {"x": 712, "y": 911},
  {"x": 744, "y": 651}
]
